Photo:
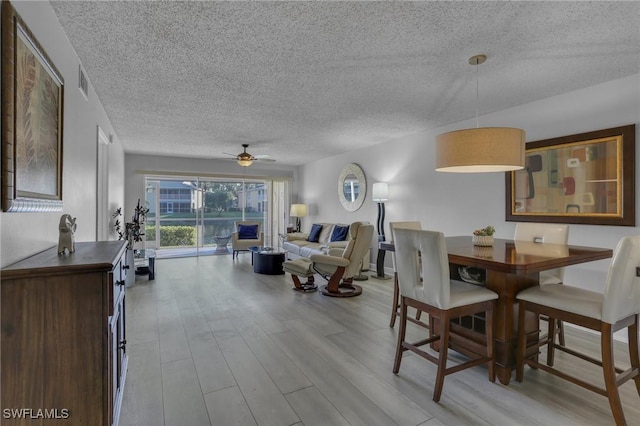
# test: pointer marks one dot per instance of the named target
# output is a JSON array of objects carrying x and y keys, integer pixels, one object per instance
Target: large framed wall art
[
  {"x": 588, "y": 178},
  {"x": 32, "y": 116}
]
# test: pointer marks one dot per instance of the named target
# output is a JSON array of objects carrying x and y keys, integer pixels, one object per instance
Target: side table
[
  {"x": 267, "y": 260},
  {"x": 145, "y": 262}
]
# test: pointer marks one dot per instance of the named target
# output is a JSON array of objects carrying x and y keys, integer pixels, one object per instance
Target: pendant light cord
[{"x": 477, "y": 96}]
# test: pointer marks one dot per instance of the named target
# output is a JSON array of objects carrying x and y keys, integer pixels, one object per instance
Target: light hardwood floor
[{"x": 212, "y": 343}]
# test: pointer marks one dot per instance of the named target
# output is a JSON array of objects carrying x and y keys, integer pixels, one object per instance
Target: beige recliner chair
[
  {"x": 248, "y": 234},
  {"x": 339, "y": 266}
]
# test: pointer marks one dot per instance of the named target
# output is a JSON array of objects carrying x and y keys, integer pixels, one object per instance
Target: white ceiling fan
[{"x": 245, "y": 159}]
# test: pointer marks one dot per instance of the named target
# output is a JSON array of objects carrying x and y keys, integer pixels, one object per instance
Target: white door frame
[{"x": 102, "y": 186}]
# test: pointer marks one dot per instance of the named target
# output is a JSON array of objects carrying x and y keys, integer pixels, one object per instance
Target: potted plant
[
  {"x": 132, "y": 232},
  {"x": 484, "y": 236}
]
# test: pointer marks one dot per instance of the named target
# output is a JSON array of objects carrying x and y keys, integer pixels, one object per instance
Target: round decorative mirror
[{"x": 352, "y": 187}]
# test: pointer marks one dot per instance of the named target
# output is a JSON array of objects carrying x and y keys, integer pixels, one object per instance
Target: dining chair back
[
  {"x": 395, "y": 312},
  {"x": 615, "y": 309},
  {"x": 622, "y": 288},
  {"x": 423, "y": 278},
  {"x": 549, "y": 233}
]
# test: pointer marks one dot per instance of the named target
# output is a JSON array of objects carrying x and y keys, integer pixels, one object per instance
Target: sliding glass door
[{"x": 195, "y": 216}]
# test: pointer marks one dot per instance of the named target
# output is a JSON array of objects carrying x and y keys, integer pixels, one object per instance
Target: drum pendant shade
[{"x": 484, "y": 149}]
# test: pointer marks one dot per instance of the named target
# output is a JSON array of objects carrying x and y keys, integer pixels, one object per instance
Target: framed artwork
[
  {"x": 32, "y": 113},
  {"x": 588, "y": 178}
]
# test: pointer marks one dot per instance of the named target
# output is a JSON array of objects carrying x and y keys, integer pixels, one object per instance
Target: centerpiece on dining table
[{"x": 483, "y": 237}]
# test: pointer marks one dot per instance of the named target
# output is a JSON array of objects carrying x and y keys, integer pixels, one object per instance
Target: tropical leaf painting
[{"x": 37, "y": 124}]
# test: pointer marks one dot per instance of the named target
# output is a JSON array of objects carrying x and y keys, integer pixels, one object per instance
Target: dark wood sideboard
[{"x": 63, "y": 347}]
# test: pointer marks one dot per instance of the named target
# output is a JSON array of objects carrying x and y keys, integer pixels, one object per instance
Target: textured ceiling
[{"x": 305, "y": 80}]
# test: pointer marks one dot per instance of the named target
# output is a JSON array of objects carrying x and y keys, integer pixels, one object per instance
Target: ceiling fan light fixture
[
  {"x": 245, "y": 159},
  {"x": 483, "y": 149}
]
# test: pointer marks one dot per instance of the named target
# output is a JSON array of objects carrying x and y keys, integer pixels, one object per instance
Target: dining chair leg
[
  {"x": 443, "y": 353},
  {"x": 401, "y": 335},
  {"x": 522, "y": 344},
  {"x": 396, "y": 293},
  {"x": 609, "y": 371},
  {"x": 551, "y": 339},
  {"x": 633, "y": 351},
  {"x": 490, "y": 343}
]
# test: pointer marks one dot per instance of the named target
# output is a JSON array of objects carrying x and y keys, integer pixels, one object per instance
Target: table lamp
[{"x": 298, "y": 211}]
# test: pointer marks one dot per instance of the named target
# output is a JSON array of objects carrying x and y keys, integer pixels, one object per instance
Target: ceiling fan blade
[
  {"x": 266, "y": 160},
  {"x": 228, "y": 153},
  {"x": 262, "y": 156}
]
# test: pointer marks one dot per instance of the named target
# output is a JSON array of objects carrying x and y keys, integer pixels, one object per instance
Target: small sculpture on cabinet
[{"x": 67, "y": 229}]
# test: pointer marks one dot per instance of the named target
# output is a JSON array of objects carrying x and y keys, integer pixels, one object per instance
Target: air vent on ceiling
[{"x": 83, "y": 83}]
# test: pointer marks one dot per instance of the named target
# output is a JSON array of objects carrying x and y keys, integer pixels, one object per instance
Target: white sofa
[{"x": 296, "y": 244}]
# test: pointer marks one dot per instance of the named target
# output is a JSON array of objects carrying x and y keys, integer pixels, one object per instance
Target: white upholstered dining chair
[
  {"x": 549, "y": 233},
  {"x": 615, "y": 309},
  {"x": 423, "y": 277},
  {"x": 395, "y": 311}
]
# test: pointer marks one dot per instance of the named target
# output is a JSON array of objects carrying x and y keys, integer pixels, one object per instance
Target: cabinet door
[
  {"x": 118, "y": 351},
  {"x": 114, "y": 363},
  {"x": 119, "y": 278},
  {"x": 122, "y": 343}
]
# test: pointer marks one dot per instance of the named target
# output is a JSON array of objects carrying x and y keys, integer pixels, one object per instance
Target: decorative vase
[
  {"x": 131, "y": 272},
  {"x": 482, "y": 240},
  {"x": 483, "y": 251}
]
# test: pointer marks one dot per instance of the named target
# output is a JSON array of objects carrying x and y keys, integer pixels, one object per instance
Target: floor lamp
[{"x": 380, "y": 194}]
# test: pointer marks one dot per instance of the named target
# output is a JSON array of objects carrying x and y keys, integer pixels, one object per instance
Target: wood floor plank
[
  {"x": 350, "y": 402},
  {"x": 213, "y": 372},
  {"x": 143, "y": 315},
  {"x": 314, "y": 409},
  {"x": 415, "y": 380},
  {"x": 265, "y": 401},
  {"x": 183, "y": 399},
  {"x": 142, "y": 402},
  {"x": 397, "y": 406},
  {"x": 227, "y": 407},
  {"x": 173, "y": 340},
  {"x": 284, "y": 373}
]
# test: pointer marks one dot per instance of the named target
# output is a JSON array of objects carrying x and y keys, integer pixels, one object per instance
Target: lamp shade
[
  {"x": 380, "y": 192},
  {"x": 298, "y": 210},
  {"x": 245, "y": 162},
  {"x": 484, "y": 149}
]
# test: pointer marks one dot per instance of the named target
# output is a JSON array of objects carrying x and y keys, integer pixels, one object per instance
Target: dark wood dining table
[{"x": 511, "y": 266}]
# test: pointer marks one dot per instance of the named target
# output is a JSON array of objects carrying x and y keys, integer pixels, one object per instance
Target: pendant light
[{"x": 483, "y": 149}]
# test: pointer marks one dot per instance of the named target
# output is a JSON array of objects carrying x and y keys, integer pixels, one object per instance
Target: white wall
[
  {"x": 456, "y": 204},
  {"x": 24, "y": 234}
]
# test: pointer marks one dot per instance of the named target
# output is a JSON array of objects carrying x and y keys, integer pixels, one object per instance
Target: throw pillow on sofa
[
  {"x": 339, "y": 233},
  {"x": 247, "y": 232},
  {"x": 314, "y": 235}
]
